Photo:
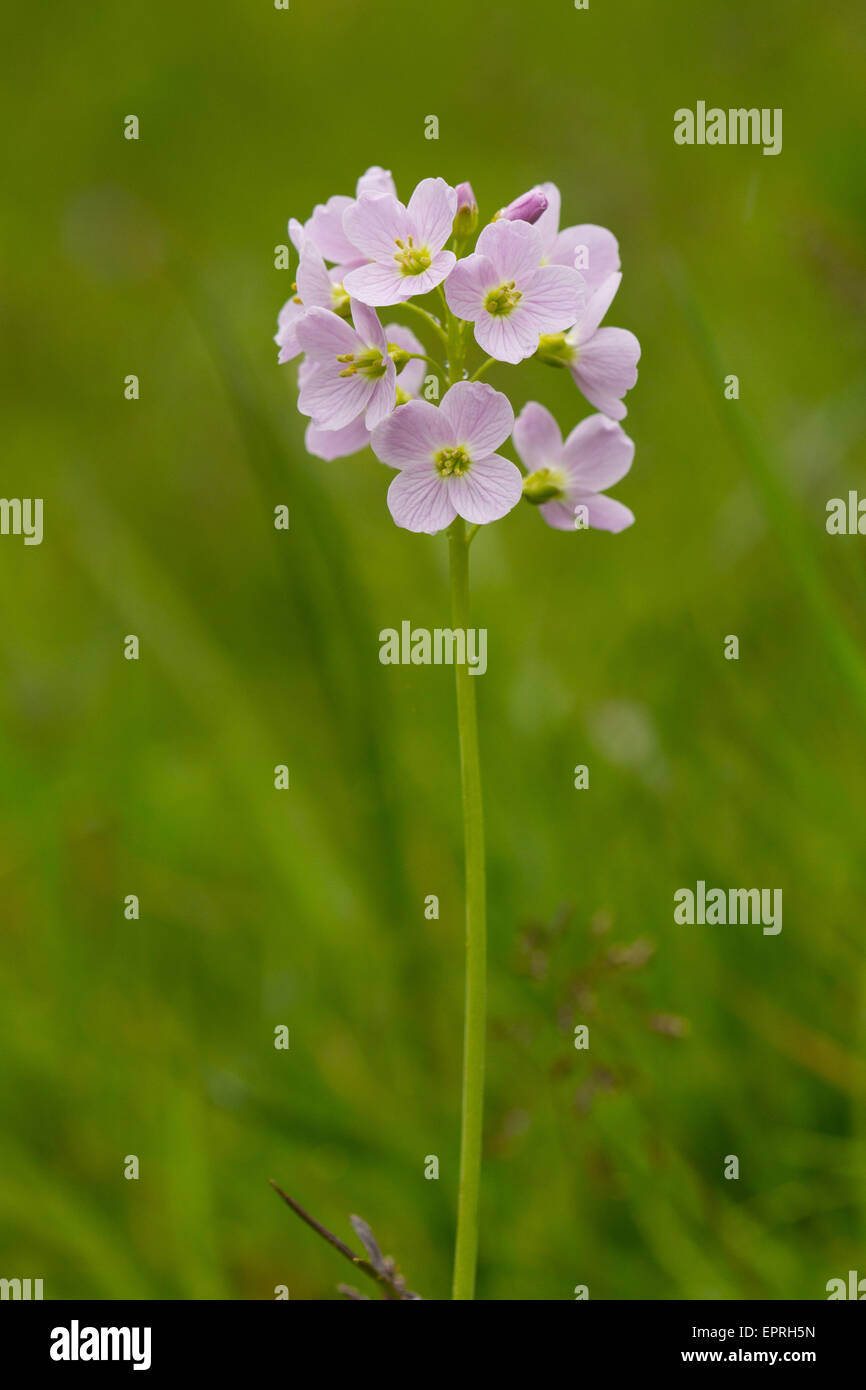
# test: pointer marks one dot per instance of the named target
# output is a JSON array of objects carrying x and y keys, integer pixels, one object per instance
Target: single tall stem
[{"x": 474, "y": 1028}]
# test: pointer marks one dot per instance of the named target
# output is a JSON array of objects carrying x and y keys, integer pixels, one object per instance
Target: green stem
[
  {"x": 474, "y": 1028},
  {"x": 422, "y": 357},
  {"x": 482, "y": 369},
  {"x": 430, "y": 321}
]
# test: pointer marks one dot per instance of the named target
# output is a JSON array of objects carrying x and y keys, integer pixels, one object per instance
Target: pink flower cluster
[{"x": 524, "y": 289}]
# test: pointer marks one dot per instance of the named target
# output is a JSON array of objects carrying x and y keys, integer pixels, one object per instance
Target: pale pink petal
[
  {"x": 537, "y": 438},
  {"x": 428, "y": 279},
  {"x": 337, "y": 444},
  {"x": 514, "y": 249},
  {"x": 605, "y": 369},
  {"x": 605, "y": 513},
  {"x": 507, "y": 337},
  {"x": 286, "y": 336},
  {"x": 559, "y": 515},
  {"x": 431, "y": 213},
  {"x": 325, "y": 336},
  {"x": 376, "y": 180},
  {"x": 554, "y": 297},
  {"x": 547, "y": 225},
  {"x": 410, "y": 436},
  {"x": 477, "y": 416},
  {"x": 601, "y": 254},
  {"x": 306, "y": 367},
  {"x": 418, "y": 499},
  {"x": 596, "y": 454},
  {"x": 325, "y": 229},
  {"x": 490, "y": 489},
  {"x": 376, "y": 284},
  {"x": 314, "y": 283},
  {"x": 602, "y": 513},
  {"x": 332, "y": 400},
  {"x": 411, "y": 377},
  {"x": 374, "y": 223},
  {"x": 467, "y": 285},
  {"x": 297, "y": 234},
  {"x": 404, "y": 337},
  {"x": 367, "y": 325},
  {"x": 383, "y": 397},
  {"x": 597, "y": 306}
]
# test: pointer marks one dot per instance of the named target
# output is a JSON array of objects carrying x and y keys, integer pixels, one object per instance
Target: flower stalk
[
  {"x": 527, "y": 289},
  {"x": 475, "y": 1005}
]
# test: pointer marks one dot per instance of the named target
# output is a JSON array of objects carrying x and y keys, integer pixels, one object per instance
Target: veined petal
[
  {"x": 559, "y": 515},
  {"x": 286, "y": 336},
  {"x": 325, "y": 336},
  {"x": 383, "y": 398},
  {"x": 547, "y": 225},
  {"x": 410, "y": 378},
  {"x": 410, "y": 436},
  {"x": 605, "y": 369},
  {"x": 605, "y": 513},
  {"x": 467, "y": 285},
  {"x": 376, "y": 180},
  {"x": 314, "y": 282},
  {"x": 325, "y": 229},
  {"x": 337, "y": 444},
  {"x": 431, "y": 213},
  {"x": 440, "y": 267},
  {"x": 297, "y": 235},
  {"x": 331, "y": 400},
  {"x": 596, "y": 454},
  {"x": 367, "y": 325},
  {"x": 537, "y": 438},
  {"x": 477, "y": 416},
  {"x": 597, "y": 306},
  {"x": 418, "y": 499},
  {"x": 507, "y": 337},
  {"x": 488, "y": 491},
  {"x": 514, "y": 249},
  {"x": 375, "y": 283},
  {"x": 602, "y": 252},
  {"x": 554, "y": 297},
  {"x": 374, "y": 223}
]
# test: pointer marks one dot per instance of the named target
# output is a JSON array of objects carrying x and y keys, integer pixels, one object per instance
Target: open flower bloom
[
  {"x": 338, "y": 444},
  {"x": 510, "y": 297},
  {"x": 404, "y": 244},
  {"x": 566, "y": 476},
  {"x": 354, "y": 374},
  {"x": 325, "y": 227},
  {"x": 315, "y": 288},
  {"x": 594, "y": 251},
  {"x": 603, "y": 361},
  {"x": 448, "y": 460}
]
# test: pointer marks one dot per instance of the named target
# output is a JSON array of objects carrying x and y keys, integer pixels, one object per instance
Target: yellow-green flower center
[
  {"x": 369, "y": 363},
  {"x": 544, "y": 485},
  {"x": 340, "y": 301},
  {"x": 412, "y": 259},
  {"x": 556, "y": 350},
  {"x": 502, "y": 300},
  {"x": 452, "y": 463}
]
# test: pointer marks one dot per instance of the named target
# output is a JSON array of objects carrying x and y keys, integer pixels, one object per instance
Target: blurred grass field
[{"x": 155, "y": 1037}]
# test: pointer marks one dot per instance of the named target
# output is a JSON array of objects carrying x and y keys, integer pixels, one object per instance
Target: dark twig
[{"x": 391, "y": 1288}]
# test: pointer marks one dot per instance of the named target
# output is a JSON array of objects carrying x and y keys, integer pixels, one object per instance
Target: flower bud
[
  {"x": 466, "y": 217},
  {"x": 527, "y": 208}
]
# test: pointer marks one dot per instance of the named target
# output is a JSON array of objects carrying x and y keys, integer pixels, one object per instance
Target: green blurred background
[{"x": 258, "y": 647}]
